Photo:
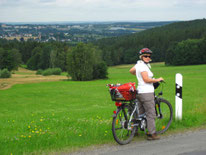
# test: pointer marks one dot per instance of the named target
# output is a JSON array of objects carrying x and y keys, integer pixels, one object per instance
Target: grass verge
[{"x": 61, "y": 116}]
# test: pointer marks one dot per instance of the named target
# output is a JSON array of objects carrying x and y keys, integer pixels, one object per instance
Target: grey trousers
[{"x": 147, "y": 105}]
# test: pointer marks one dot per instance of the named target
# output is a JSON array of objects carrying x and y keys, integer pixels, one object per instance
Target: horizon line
[{"x": 92, "y": 21}]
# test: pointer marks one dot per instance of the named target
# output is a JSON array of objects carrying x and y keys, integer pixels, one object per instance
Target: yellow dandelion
[
  {"x": 29, "y": 136},
  {"x": 80, "y": 135},
  {"x": 41, "y": 120},
  {"x": 32, "y": 131},
  {"x": 37, "y": 131},
  {"x": 29, "y": 126},
  {"x": 40, "y": 130}
]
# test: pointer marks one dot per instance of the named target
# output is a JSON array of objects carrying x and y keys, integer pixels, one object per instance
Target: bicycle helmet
[{"x": 145, "y": 51}]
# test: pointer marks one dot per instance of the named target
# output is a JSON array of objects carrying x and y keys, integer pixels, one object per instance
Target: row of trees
[
  {"x": 34, "y": 54},
  {"x": 83, "y": 62},
  {"x": 47, "y": 56},
  {"x": 187, "y": 52}
]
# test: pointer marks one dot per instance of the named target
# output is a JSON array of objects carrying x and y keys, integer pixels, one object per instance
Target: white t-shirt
[{"x": 142, "y": 86}]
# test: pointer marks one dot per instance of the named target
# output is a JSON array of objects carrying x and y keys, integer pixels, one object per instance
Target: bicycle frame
[{"x": 136, "y": 110}]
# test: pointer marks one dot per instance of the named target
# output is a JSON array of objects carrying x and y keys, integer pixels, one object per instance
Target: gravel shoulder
[{"x": 187, "y": 143}]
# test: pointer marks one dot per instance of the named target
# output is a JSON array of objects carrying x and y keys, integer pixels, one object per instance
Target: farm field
[{"x": 62, "y": 116}]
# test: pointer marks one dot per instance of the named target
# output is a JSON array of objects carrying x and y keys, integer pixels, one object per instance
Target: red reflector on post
[
  {"x": 114, "y": 112},
  {"x": 118, "y": 104}
]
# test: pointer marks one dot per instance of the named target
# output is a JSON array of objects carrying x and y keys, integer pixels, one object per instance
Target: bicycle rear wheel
[
  {"x": 122, "y": 130},
  {"x": 164, "y": 113}
]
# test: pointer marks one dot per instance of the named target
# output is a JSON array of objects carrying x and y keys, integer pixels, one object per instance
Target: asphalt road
[{"x": 189, "y": 143}]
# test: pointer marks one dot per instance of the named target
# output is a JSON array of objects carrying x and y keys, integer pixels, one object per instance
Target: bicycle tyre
[
  {"x": 164, "y": 122},
  {"x": 120, "y": 127}
]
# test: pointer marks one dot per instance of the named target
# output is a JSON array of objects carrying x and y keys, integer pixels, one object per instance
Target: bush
[
  {"x": 100, "y": 71},
  {"x": 56, "y": 71},
  {"x": 4, "y": 73},
  {"x": 39, "y": 72},
  {"x": 52, "y": 71},
  {"x": 47, "y": 72}
]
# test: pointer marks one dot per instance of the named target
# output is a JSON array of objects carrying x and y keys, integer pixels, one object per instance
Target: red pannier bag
[{"x": 125, "y": 92}]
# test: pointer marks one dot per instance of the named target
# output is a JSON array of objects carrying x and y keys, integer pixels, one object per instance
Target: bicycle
[{"x": 126, "y": 119}]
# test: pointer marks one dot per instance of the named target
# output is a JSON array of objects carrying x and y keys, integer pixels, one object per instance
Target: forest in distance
[
  {"x": 178, "y": 43},
  {"x": 167, "y": 42}
]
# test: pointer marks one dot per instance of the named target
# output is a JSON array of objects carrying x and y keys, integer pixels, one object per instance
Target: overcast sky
[{"x": 100, "y": 10}]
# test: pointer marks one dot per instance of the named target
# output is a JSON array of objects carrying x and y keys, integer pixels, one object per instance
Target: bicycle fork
[{"x": 159, "y": 112}]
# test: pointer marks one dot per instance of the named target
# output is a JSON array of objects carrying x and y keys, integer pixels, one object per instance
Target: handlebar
[
  {"x": 160, "y": 90},
  {"x": 162, "y": 81}
]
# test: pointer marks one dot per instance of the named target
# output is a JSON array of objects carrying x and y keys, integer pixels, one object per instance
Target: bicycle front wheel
[
  {"x": 123, "y": 130},
  {"x": 164, "y": 113}
]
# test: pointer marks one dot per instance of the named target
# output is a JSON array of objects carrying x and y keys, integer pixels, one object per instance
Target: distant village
[
  {"x": 73, "y": 33},
  {"x": 42, "y": 33}
]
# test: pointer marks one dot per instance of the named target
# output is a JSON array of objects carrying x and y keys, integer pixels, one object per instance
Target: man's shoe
[{"x": 153, "y": 137}]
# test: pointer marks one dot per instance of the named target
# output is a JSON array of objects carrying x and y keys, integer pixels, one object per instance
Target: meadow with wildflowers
[{"x": 62, "y": 116}]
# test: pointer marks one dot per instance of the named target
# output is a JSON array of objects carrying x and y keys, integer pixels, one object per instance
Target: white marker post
[{"x": 178, "y": 97}]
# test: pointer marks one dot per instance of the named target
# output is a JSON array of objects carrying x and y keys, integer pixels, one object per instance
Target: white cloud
[{"x": 55, "y": 10}]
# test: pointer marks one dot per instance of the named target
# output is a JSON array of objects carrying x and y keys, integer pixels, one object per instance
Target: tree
[
  {"x": 45, "y": 57},
  {"x": 84, "y": 63},
  {"x": 15, "y": 59},
  {"x": 60, "y": 60},
  {"x": 9, "y": 59},
  {"x": 53, "y": 56},
  {"x": 80, "y": 63},
  {"x": 33, "y": 62}
]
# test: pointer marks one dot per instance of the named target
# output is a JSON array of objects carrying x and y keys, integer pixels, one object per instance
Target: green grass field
[{"x": 62, "y": 116}]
